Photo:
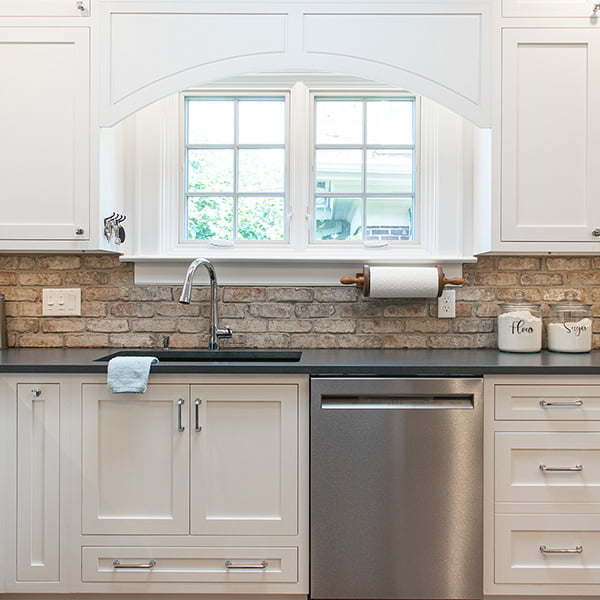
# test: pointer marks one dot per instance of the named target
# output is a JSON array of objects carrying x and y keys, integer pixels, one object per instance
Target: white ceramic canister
[
  {"x": 570, "y": 325},
  {"x": 520, "y": 325}
]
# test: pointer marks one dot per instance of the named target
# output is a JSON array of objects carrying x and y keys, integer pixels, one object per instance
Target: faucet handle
[{"x": 224, "y": 333}]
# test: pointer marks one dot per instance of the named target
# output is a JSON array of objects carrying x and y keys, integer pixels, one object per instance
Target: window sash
[
  {"x": 364, "y": 147},
  {"x": 236, "y": 194}
]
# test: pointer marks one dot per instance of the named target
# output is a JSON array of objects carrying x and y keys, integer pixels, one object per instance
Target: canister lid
[
  {"x": 570, "y": 302},
  {"x": 517, "y": 302}
]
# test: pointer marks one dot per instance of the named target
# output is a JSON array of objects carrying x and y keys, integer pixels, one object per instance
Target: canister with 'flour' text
[{"x": 520, "y": 325}]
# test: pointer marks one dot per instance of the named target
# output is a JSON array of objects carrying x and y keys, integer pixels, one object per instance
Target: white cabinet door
[
  {"x": 551, "y": 136},
  {"x": 44, "y": 120},
  {"x": 244, "y": 459},
  {"x": 548, "y": 8},
  {"x": 45, "y": 8},
  {"x": 135, "y": 460},
  {"x": 38, "y": 482}
]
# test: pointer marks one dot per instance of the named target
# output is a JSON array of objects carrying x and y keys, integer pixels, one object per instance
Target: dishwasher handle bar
[{"x": 396, "y": 392}]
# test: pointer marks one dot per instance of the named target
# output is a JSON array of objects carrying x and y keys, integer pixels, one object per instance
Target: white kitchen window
[
  {"x": 234, "y": 172},
  {"x": 298, "y": 172},
  {"x": 364, "y": 154}
]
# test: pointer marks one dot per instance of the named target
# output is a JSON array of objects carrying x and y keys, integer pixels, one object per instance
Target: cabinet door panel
[
  {"x": 550, "y": 135},
  {"x": 44, "y": 115},
  {"x": 135, "y": 461},
  {"x": 244, "y": 460},
  {"x": 38, "y": 481}
]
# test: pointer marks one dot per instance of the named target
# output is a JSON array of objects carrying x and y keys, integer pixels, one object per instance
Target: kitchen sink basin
[{"x": 212, "y": 355}]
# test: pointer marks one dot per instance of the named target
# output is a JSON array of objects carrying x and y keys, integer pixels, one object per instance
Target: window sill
[{"x": 283, "y": 269}]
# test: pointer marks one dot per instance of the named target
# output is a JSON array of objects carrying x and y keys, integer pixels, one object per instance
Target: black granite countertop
[{"x": 390, "y": 363}]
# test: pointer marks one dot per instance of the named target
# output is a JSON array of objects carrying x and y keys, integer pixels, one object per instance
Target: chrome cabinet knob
[{"x": 596, "y": 232}]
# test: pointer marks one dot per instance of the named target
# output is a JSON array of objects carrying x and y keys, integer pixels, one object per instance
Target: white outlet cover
[{"x": 61, "y": 302}]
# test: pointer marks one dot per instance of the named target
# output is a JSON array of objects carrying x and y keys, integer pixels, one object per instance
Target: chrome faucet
[{"x": 186, "y": 294}]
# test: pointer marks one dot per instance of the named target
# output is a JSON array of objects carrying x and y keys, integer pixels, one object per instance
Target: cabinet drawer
[
  {"x": 547, "y": 467},
  {"x": 547, "y": 402},
  {"x": 571, "y": 543},
  {"x": 202, "y": 565}
]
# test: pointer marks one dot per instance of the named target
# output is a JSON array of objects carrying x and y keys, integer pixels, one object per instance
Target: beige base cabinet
[
  {"x": 542, "y": 476},
  {"x": 198, "y": 486},
  {"x": 36, "y": 481}
]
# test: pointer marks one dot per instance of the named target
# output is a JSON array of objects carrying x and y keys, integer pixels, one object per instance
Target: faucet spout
[{"x": 186, "y": 295}]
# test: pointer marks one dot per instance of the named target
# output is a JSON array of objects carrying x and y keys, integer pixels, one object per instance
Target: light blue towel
[{"x": 129, "y": 373}]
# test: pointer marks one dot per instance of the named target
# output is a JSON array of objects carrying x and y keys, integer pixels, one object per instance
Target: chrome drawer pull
[
  {"x": 574, "y": 404},
  {"x": 197, "y": 403},
  {"x": 546, "y": 469},
  {"x": 576, "y": 550},
  {"x": 180, "y": 426},
  {"x": 263, "y": 565},
  {"x": 149, "y": 565}
]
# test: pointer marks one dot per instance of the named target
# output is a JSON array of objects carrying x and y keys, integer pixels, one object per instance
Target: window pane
[
  {"x": 389, "y": 219},
  {"x": 210, "y": 170},
  {"x": 389, "y": 171},
  {"x": 338, "y": 171},
  {"x": 261, "y": 170},
  {"x": 338, "y": 218},
  {"x": 210, "y": 121},
  {"x": 261, "y": 219},
  {"x": 390, "y": 122},
  {"x": 338, "y": 122},
  {"x": 262, "y": 121},
  {"x": 210, "y": 218}
]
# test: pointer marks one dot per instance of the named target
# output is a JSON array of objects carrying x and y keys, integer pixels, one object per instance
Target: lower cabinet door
[
  {"x": 135, "y": 458},
  {"x": 552, "y": 549},
  {"x": 180, "y": 565},
  {"x": 244, "y": 459},
  {"x": 38, "y": 479}
]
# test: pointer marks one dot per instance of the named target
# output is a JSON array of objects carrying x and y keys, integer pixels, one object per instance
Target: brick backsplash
[{"x": 117, "y": 313}]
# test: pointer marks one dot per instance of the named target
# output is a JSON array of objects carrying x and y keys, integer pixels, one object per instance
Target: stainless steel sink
[{"x": 212, "y": 355}]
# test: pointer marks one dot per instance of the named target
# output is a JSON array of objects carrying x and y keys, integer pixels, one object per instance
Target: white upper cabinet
[
  {"x": 45, "y": 125},
  {"x": 550, "y": 183},
  {"x": 549, "y": 8},
  {"x": 45, "y": 8}
]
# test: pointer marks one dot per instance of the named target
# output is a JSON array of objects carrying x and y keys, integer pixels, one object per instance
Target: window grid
[
  {"x": 364, "y": 147},
  {"x": 235, "y": 194}
]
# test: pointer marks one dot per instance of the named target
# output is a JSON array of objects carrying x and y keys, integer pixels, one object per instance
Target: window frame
[{"x": 151, "y": 141}]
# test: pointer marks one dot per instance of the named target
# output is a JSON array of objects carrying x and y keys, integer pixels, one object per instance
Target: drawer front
[
  {"x": 202, "y": 565},
  {"x": 547, "y": 402},
  {"x": 550, "y": 549},
  {"x": 547, "y": 467}
]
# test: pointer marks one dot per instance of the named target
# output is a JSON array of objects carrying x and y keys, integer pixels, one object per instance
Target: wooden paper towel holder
[{"x": 363, "y": 280}]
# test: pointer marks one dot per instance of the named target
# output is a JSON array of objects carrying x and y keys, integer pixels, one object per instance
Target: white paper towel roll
[{"x": 403, "y": 282}]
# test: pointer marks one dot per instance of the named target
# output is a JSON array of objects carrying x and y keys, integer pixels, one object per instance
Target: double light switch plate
[{"x": 61, "y": 302}]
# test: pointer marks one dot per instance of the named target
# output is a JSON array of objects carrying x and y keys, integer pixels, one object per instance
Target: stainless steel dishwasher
[{"x": 396, "y": 488}]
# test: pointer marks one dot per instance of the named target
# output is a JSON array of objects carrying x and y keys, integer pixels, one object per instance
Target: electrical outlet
[
  {"x": 447, "y": 305},
  {"x": 61, "y": 302}
]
